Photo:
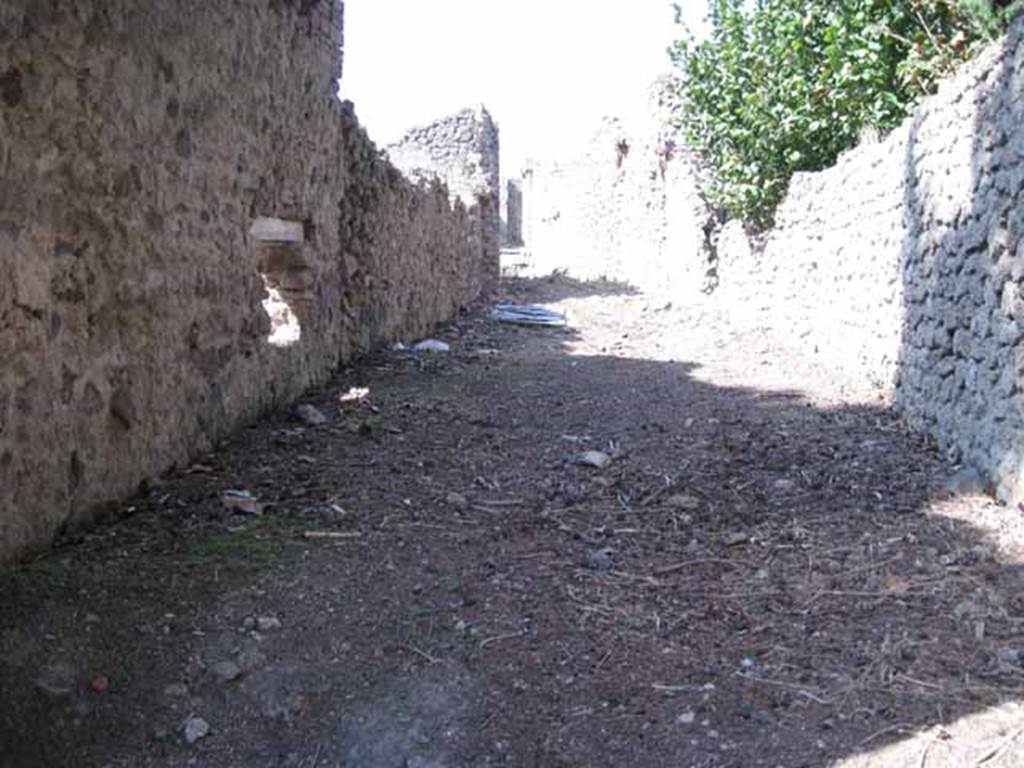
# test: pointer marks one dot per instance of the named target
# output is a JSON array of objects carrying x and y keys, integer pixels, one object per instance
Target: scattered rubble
[
  {"x": 310, "y": 415},
  {"x": 56, "y": 680},
  {"x": 595, "y": 459},
  {"x": 601, "y": 559},
  {"x": 431, "y": 345},
  {"x": 195, "y": 728},
  {"x": 225, "y": 671},
  {"x": 268, "y": 623},
  {"x": 242, "y": 501}
]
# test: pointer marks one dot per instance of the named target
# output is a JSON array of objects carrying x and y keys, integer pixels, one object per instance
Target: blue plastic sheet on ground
[{"x": 529, "y": 314}]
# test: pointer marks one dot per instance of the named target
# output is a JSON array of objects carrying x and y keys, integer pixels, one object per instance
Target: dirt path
[{"x": 761, "y": 576}]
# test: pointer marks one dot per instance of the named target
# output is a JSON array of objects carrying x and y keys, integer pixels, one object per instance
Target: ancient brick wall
[
  {"x": 192, "y": 230},
  {"x": 903, "y": 265}
]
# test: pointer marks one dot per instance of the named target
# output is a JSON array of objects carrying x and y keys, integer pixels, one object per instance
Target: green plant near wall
[
  {"x": 781, "y": 86},
  {"x": 991, "y": 16}
]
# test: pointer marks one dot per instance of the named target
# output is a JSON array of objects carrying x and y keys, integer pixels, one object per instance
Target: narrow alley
[{"x": 641, "y": 540}]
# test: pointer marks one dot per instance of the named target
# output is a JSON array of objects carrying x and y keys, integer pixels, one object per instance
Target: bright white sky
[{"x": 547, "y": 70}]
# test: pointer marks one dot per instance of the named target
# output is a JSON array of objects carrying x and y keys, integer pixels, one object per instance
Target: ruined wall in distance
[
  {"x": 461, "y": 151},
  {"x": 140, "y": 142},
  {"x": 412, "y": 253},
  {"x": 625, "y": 207}
]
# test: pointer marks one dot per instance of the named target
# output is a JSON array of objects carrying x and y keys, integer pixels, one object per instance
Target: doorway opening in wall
[{"x": 287, "y": 278}]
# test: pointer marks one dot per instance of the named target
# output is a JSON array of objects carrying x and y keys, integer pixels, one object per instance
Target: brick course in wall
[{"x": 140, "y": 141}]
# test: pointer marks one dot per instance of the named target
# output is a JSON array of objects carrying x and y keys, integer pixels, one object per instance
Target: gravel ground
[{"x": 653, "y": 538}]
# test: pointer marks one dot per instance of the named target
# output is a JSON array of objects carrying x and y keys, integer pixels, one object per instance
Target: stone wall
[
  {"x": 903, "y": 264},
  {"x": 828, "y": 275},
  {"x": 961, "y": 367},
  {"x": 462, "y": 152},
  {"x": 412, "y": 252},
  {"x": 192, "y": 230},
  {"x": 625, "y": 208}
]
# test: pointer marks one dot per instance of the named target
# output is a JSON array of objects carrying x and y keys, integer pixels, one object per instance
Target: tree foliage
[{"x": 786, "y": 85}]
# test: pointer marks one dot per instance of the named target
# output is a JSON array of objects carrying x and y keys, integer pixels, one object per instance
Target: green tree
[{"x": 786, "y": 85}]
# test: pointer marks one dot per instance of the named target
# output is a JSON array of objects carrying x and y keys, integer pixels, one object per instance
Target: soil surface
[{"x": 764, "y": 568}]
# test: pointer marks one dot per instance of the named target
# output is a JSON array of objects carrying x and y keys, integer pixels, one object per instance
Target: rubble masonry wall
[{"x": 140, "y": 141}]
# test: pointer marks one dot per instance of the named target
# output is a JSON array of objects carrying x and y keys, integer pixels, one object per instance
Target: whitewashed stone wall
[
  {"x": 828, "y": 274},
  {"x": 626, "y": 208}
]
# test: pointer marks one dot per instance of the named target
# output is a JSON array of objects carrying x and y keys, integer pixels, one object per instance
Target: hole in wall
[
  {"x": 285, "y": 328},
  {"x": 287, "y": 277}
]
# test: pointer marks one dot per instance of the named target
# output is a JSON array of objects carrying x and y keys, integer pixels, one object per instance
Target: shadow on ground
[{"x": 751, "y": 581}]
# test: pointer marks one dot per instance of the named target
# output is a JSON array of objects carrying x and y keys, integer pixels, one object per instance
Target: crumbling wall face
[
  {"x": 627, "y": 208},
  {"x": 410, "y": 253},
  {"x": 461, "y": 151},
  {"x": 903, "y": 265},
  {"x": 140, "y": 140}
]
